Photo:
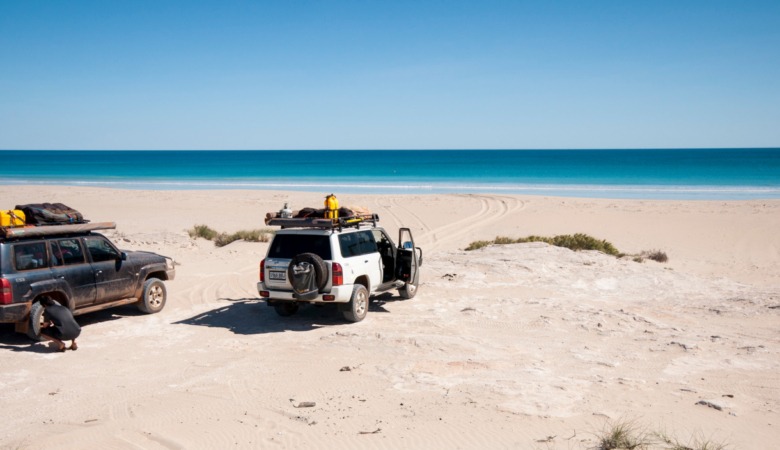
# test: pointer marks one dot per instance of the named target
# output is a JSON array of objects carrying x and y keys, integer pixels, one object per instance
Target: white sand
[{"x": 518, "y": 346}]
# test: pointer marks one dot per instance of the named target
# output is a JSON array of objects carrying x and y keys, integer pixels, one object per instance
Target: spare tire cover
[{"x": 319, "y": 266}]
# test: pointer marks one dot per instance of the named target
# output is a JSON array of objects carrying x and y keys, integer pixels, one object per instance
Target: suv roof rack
[
  {"x": 50, "y": 230},
  {"x": 326, "y": 224}
]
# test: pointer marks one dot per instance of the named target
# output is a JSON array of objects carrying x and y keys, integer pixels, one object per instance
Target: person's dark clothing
[{"x": 65, "y": 327}]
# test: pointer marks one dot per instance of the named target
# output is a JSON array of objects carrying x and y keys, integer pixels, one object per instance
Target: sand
[{"x": 524, "y": 346}]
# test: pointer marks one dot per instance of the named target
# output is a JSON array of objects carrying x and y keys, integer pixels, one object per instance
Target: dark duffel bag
[{"x": 50, "y": 214}]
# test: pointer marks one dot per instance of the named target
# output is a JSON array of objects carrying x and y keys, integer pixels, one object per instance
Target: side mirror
[{"x": 123, "y": 256}]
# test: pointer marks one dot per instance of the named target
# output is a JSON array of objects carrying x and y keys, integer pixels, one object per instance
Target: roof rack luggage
[
  {"x": 328, "y": 224},
  {"x": 50, "y": 214}
]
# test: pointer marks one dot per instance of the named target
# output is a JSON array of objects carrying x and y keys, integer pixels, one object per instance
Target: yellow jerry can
[
  {"x": 331, "y": 207},
  {"x": 12, "y": 218}
]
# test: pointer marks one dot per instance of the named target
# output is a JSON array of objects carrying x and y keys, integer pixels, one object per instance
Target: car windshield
[{"x": 289, "y": 245}]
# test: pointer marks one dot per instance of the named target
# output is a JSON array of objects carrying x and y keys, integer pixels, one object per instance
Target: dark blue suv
[{"x": 77, "y": 267}]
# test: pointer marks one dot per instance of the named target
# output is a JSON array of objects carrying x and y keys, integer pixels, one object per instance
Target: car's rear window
[{"x": 289, "y": 245}]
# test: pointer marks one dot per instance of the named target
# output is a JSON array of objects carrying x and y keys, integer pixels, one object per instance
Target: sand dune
[{"x": 517, "y": 346}]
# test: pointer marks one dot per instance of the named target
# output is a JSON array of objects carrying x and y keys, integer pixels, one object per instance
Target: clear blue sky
[{"x": 388, "y": 74}]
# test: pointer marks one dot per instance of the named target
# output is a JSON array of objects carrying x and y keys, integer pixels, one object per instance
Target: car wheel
[
  {"x": 286, "y": 309},
  {"x": 154, "y": 296},
  {"x": 407, "y": 291},
  {"x": 320, "y": 268},
  {"x": 36, "y": 320},
  {"x": 357, "y": 308}
]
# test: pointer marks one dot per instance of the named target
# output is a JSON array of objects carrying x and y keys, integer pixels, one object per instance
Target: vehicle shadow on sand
[
  {"x": 253, "y": 316},
  {"x": 12, "y": 341},
  {"x": 19, "y": 342}
]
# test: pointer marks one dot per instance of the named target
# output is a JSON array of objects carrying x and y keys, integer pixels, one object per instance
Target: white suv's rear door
[{"x": 284, "y": 247}]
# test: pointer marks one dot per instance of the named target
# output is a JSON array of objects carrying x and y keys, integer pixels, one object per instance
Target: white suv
[{"x": 336, "y": 261}]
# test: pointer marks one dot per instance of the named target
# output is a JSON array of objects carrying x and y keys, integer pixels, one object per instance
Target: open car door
[{"x": 408, "y": 263}]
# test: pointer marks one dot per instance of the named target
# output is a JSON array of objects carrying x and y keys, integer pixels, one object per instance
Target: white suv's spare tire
[{"x": 320, "y": 268}]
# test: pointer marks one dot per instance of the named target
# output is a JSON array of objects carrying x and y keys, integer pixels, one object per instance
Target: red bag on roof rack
[{"x": 51, "y": 214}]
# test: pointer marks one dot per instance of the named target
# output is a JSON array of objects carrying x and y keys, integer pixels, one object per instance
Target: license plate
[{"x": 277, "y": 275}]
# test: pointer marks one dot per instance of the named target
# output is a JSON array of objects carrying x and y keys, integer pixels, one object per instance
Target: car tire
[
  {"x": 357, "y": 308},
  {"x": 286, "y": 309},
  {"x": 154, "y": 296},
  {"x": 320, "y": 268},
  {"x": 408, "y": 291},
  {"x": 35, "y": 321}
]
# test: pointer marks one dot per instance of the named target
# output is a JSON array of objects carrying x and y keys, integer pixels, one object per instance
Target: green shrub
[
  {"x": 203, "y": 231},
  {"x": 580, "y": 241},
  {"x": 477, "y": 245},
  {"x": 574, "y": 242},
  {"x": 255, "y": 235},
  {"x": 534, "y": 238},
  {"x": 223, "y": 239}
]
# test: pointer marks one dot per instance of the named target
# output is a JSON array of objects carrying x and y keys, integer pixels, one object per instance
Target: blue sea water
[{"x": 719, "y": 174}]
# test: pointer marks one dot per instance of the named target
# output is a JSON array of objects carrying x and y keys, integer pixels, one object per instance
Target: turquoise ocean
[{"x": 688, "y": 174}]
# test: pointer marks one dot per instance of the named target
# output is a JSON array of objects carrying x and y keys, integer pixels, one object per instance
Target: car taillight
[
  {"x": 6, "y": 297},
  {"x": 262, "y": 270},
  {"x": 338, "y": 274}
]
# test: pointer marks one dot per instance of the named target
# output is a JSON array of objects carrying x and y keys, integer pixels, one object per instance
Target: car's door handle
[{"x": 98, "y": 272}]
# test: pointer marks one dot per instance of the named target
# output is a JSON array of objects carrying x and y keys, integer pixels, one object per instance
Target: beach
[{"x": 508, "y": 346}]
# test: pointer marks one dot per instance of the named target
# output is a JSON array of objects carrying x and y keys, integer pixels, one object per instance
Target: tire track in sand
[
  {"x": 397, "y": 205},
  {"x": 385, "y": 206},
  {"x": 491, "y": 210}
]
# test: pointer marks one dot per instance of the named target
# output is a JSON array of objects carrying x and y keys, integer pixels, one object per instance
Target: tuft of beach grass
[{"x": 223, "y": 239}]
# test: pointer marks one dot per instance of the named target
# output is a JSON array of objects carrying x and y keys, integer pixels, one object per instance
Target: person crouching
[{"x": 59, "y": 324}]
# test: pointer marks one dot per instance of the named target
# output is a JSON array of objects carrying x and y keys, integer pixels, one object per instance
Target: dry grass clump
[
  {"x": 655, "y": 255},
  {"x": 697, "y": 443},
  {"x": 576, "y": 242},
  {"x": 625, "y": 435},
  {"x": 203, "y": 231},
  {"x": 223, "y": 239}
]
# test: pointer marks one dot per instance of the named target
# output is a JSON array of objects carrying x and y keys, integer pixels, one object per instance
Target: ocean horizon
[{"x": 680, "y": 174}]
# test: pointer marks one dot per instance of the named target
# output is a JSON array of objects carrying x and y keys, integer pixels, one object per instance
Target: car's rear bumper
[
  {"x": 341, "y": 294},
  {"x": 15, "y": 312}
]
